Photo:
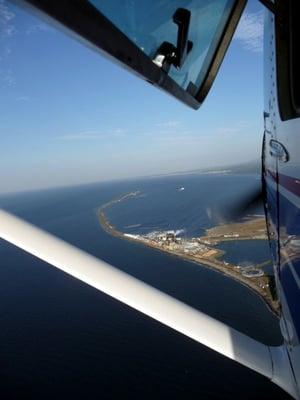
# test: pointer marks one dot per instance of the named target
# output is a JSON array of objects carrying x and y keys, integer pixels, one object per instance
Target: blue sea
[{"x": 60, "y": 338}]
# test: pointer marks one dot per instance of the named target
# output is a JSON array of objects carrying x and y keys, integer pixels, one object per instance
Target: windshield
[{"x": 148, "y": 24}]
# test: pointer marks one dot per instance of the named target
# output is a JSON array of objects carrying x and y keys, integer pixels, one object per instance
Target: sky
[{"x": 69, "y": 116}]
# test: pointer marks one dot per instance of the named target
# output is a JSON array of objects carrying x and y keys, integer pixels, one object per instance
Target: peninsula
[{"x": 202, "y": 250}]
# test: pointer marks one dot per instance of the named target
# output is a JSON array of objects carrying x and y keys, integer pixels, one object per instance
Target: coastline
[{"x": 259, "y": 285}]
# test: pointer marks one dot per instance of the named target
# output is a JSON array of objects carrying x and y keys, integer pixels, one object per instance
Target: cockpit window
[{"x": 149, "y": 24}]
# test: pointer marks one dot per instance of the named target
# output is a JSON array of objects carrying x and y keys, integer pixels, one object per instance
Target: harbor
[{"x": 203, "y": 250}]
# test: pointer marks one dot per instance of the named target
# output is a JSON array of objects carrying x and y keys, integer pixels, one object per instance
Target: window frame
[{"x": 82, "y": 20}]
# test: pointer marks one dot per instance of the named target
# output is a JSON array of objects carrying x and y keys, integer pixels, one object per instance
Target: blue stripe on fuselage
[
  {"x": 289, "y": 219},
  {"x": 292, "y": 295},
  {"x": 289, "y": 216}
]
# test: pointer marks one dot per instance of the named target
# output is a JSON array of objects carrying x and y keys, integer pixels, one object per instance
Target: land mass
[
  {"x": 253, "y": 228},
  {"x": 202, "y": 250},
  {"x": 249, "y": 167}
]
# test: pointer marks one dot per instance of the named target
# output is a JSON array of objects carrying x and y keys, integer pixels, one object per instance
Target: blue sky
[{"x": 69, "y": 116}]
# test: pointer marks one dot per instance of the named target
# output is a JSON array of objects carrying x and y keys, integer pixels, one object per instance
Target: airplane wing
[{"x": 269, "y": 361}]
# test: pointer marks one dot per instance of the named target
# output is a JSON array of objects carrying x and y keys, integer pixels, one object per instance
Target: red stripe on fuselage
[{"x": 289, "y": 183}]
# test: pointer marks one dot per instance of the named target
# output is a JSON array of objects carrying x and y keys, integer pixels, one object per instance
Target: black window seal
[
  {"x": 287, "y": 107},
  {"x": 222, "y": 47}
]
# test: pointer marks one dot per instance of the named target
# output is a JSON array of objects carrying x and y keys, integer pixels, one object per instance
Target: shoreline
[{"x": 210, "y": 262}]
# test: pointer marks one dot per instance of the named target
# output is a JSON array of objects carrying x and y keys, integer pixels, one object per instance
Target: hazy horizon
[{"x": 136, "y": 177}]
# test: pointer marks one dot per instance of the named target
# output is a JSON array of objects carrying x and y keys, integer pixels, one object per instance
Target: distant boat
[{"x": 180, "y": 189}]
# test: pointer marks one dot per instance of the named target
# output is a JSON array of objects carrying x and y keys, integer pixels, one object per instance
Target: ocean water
[
  {"x": 248, "y": 252},
  {"x": 60, "y": 338}
]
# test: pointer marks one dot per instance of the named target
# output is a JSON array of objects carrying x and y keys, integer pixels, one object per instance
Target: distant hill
[{"x": 250, "y": 167}]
